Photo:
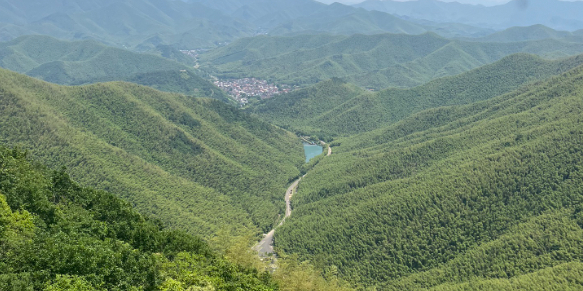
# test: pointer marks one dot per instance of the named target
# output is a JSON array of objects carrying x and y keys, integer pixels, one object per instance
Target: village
[{"x": 242, "y": 89}]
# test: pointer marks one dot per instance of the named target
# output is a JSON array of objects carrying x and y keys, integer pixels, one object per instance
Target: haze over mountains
[
  {"x": 561, "y": 15},
  {"x": 376, "y": 61},
  {"x": 82, "y": 62},
  {"x": 145, "y": 24},
  {"x": 451, "y": 137}
]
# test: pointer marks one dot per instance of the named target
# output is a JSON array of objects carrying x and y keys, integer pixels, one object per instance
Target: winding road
[{"x": 265, "y": 246}]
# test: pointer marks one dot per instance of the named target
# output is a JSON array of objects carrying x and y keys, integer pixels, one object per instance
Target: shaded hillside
[
  {"x": 197, "y": 164},
  {"x": 372, "y": 61},
  {"x": 487, "y": 194},
  {"x": 337, "y": 109},
  {"x": 82, "y": 62},
  {"x": 57, "y": 235},
  {"x": 182, "y": 81}
]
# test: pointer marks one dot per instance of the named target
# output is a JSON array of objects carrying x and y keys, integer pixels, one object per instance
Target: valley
[
  {"x": 291, "y": 145},
  {"x": 265, "y": 247}
]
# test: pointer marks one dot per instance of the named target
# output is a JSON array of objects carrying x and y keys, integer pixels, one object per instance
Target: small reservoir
[{"x": 310, "y": 151}]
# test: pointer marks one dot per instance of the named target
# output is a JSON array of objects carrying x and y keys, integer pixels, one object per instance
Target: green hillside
[
  {"x": 371, "y": 61},
  {"x": 82, "y": 62},
  {"x": 180, "y": 81},
  {"x": 197, "y": 164},
  {"x": 487, "y": 194},
  {"x": 334, "y": 108},
  {"x": 57, "y": 235}
]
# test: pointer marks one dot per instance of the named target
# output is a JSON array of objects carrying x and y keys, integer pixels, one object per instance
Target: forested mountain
[
  {"x": 452, "y": 136},
  {"x": 57, "y": 235},
  {"x": 81, "y": 62},
  {"x": 486, "y": 195},
  {"x": 535, "y": 32},
  {"x": 197, "y": 164},
  {"x": 264, "y": 13},
  {"x": 144, "y": 25},
  {"x": 562, "y": 15},
  {"x": 372, "y": 61},
  {"x": 140, "y": 24},
  {"x": 335, "y": 108},
  {"x": 345, "y": 20}
]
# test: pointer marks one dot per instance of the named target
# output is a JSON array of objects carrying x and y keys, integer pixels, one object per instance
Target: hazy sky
[{"x": 483, "y": 2}]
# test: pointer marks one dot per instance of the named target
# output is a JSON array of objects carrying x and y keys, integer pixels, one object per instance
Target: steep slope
[
  {"x": 372, "y": 61},
  {"x": 197, "y": 164},
  {"x": 453, "y": 195},
  {"x": 82, "y": 62},
  {"x": 298, "y": 110},
  {"x": 325, "y": 110},
  {"x": 56, "y": 235}
]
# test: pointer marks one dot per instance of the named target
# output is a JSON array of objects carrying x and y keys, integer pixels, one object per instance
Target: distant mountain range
[
  {"x": 562, "y": 15},
  {"x": 379, "y": 61},
  {"x": 144, "y": 25},
  {"x": 140, "y": 24},
  {"x": 82, "y": 62},
  {"x": 187, "y": 161},
  {"x": 484, "y": 196},
  {"x": 336, "y": 108}
]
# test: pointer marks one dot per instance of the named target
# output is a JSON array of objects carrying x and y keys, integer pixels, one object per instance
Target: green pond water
[{"x": 311, "y": 151}]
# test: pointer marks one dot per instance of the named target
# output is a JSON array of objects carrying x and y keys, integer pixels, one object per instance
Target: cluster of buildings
[
  {"x": 242, "y": 89},
  {"x": 190, "y": 53}
]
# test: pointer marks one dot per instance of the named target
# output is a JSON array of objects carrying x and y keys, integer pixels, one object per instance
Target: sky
[{"x": 483, "y": 2}]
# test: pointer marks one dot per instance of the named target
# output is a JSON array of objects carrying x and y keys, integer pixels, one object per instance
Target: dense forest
[
  {"x": 336, "y": 108},
  {"x": 372, "y": 61},
  {"x": 57, "y": 235},
  {"x": 83, "y": 62},
  {"x": 452, "y": 145},
  {"x": 486, "y": 195},
  {"x": 197, "y": 164}
]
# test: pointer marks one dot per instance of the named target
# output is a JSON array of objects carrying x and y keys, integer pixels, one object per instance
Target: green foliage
[
  {"x": 196, "y": 164},
  {"x": 562, "y": 277},
  {"x": 487, "y": 192},
  {"x": 298, "y": 110},
  {"x": 180, "y": 81},
  {"x": 57, "y": 235},
  {"x": 70, "y": 283},
  {"x": 371, "y": 61},
  {"x": 336, "y": 109},
  {"x": 82, "y": 62}
]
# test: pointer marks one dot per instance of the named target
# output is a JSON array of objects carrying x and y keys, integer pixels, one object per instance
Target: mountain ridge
[{"x": 157, "y": 150}]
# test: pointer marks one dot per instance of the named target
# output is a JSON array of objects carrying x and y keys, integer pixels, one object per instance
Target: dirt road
[
  {"x": 265, "y": 246},
  {"x": 288, "y": 195}
]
